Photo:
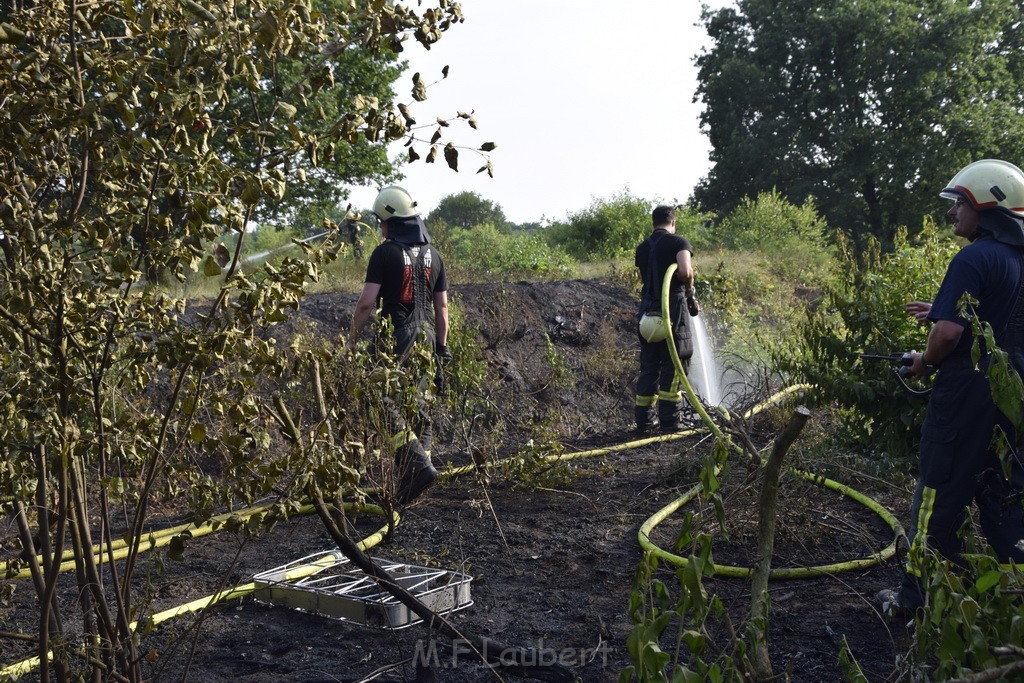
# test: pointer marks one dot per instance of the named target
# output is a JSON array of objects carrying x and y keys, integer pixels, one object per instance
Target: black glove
[{"x": 444, "y": 354}]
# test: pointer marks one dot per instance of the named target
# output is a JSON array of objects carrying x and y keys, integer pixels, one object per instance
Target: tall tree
[
  {"x": 866, "y": 107},
  {"x": 467, "y": 210},
  {"x": 348, "y": 71}
]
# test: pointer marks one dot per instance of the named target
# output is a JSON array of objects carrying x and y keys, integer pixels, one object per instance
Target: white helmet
[
  {"x": 394, "y": 202},
  {"x": 652, "y": 328},
  {"x": 989, "y": 184}
]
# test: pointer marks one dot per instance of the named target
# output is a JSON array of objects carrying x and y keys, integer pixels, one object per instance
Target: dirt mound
[{"x": 552, "y": 565}]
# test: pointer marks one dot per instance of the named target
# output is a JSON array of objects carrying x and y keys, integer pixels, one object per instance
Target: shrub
[
  {"x": 607, "y": 229},
  {"x": 862, "y": 311},
  {"x": 485, "y": 251},
  {"x": 790, "y": 239}
]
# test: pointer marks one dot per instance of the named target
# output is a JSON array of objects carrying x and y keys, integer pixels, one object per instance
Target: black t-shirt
[
  {"x": 391, "y": 267},
  {"x": 666, "y": 246}
]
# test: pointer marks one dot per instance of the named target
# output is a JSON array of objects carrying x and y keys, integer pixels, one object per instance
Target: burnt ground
[{"x": 553, "y": 559}]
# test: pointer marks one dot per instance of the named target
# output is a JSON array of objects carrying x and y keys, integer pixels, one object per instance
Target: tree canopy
[
  {"x": 467, "y": 210},
  {"x": 867, "y": 107},
  {"x": 345, "y": 75}
]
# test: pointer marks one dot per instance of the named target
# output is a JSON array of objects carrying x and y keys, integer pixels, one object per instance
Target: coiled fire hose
[{"x": 743, "y": 572}]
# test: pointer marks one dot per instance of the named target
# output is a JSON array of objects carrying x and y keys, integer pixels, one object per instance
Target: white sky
[{"x": 584, "y": 99}]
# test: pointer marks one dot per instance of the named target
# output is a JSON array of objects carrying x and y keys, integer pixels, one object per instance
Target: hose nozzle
[{"x": 691, "y": 302}]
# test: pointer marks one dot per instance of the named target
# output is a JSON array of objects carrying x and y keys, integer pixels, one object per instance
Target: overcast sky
[{"x": 584, "y": 99}]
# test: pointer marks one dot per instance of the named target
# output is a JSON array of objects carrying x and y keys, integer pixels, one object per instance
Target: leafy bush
[
  {"x": 790, "y": 239},
  {"x": 672, "y": 635},
  {"x": 973, "y": 622},
  {"x": 862, "y": 311},
  {"x": 486, "y": 251},
  {"x": 610, "y": 229},
  {"x": 606, "y": 229},
  {"x": 124, "y": 156}
]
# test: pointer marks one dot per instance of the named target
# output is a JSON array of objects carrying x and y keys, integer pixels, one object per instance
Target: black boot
[
  {"x": 415, "y": 472},
  {"x": 668, "y": 415},
  {"x": 646, "y": 419}
]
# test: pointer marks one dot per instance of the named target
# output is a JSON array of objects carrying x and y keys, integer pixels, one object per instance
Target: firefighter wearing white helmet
[
  {"x": 405, "y": 278},
  {"x": 989, "y": 184},
  {"x": 659, "y": 398},
  {"x": 394, "y": 201},
  {"x": 958, "y": 463}
]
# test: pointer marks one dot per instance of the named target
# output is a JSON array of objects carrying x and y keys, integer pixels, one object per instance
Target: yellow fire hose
[
  {"x": 19, "y": 669},
  {"x": 163, "y": 537}
]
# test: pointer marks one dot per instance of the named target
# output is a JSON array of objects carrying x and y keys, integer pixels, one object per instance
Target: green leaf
[
  {"x": 988, "y": 581},
  {"x": 406, "y": 114},
  {"x": 419, "y": 88},
  {"x": 851, "y": 669},
  {"x": 210, "y": 267},
  {"x": 253, "y": 191},
  {"x": 199, "y": 11},
  {"x": 176, "y": 548}
]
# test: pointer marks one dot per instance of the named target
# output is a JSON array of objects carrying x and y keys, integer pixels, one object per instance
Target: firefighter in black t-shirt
[
  {"x": 659, "y": 397},
  {"x": 405, "y": 274}
]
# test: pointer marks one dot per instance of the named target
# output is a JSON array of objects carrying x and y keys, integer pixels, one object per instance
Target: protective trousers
[
  {"x": 658, "y": 390},
  {"x": 958, "y": 464},
  {"x": 412, "y": 444}
]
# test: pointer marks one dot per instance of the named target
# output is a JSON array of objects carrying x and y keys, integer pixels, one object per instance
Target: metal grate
[{"x": 325, "y": 584}]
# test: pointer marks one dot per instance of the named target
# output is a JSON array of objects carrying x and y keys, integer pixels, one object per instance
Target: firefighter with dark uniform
[
  {"x": 353, "y": 226},
  {"x": 958, "y": 462},
  {"x": 659, "y": 398},
  {"x": 405, "y": 276}
]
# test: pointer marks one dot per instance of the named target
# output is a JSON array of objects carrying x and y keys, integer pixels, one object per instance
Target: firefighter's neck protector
[
  {"x": 1004, "y": 227},
  {"x": 409, "y": 230}
]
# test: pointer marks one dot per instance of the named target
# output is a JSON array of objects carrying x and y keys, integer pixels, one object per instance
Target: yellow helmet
[
  {"x": 652, "y": 328},
  {"x": 989, "y": 184},
  {"x": 394, "y": 202}
]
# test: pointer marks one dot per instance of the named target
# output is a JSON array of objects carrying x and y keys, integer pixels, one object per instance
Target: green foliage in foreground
[
  {"x": 973, "y": 622},
  {"x": 122, "y": 153},
  {"x": 862, "y": 312},
  {"x": 671, "y": 636}
]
